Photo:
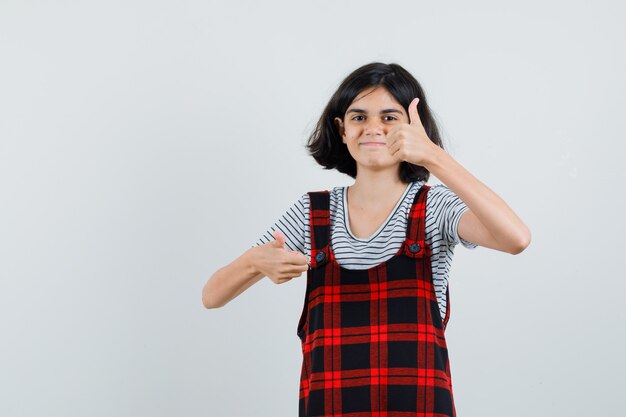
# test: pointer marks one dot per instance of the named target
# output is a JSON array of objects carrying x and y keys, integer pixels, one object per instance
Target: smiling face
[{"x": 372, "y": 113}]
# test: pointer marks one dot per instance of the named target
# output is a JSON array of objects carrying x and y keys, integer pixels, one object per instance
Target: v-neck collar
[{"x": 382, "y": 226}]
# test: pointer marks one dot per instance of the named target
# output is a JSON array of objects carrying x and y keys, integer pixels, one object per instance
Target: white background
[{"x": 145, "y": 144}]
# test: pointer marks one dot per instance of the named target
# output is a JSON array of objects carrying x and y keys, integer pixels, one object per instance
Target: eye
[{"x": 390, "y": 118}]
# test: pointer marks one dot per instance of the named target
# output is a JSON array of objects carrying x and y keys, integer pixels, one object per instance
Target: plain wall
[{"x": 144, "y": 145}]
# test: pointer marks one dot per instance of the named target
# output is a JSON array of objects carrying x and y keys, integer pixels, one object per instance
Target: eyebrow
[{"x": 381, "y": 112}]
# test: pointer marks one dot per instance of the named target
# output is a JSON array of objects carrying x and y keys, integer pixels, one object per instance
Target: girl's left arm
[{"x": 489, "y": 222}]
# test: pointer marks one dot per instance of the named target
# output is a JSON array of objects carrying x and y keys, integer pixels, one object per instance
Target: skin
[{"x": 489, "y": 222}]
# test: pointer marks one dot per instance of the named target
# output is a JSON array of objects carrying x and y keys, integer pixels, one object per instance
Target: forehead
[{"x": 375, "y": 96}]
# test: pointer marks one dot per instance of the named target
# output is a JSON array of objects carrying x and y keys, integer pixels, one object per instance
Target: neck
[{"x": 375, "y": 190}]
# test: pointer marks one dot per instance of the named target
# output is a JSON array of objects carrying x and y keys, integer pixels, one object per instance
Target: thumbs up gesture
[
  {"x": 280, "y": 239},
  {"x": 409, "y": 141},
  {"x": 279, "y": 263}
]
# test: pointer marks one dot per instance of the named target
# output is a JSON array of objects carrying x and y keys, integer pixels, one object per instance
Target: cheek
[
  {"x": 348, "y": 134},
  {"x": 353, "y": 133},
  {"x": 352, "y": 130}
]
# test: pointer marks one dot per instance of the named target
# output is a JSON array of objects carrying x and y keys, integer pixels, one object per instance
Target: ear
[{"x": 339, "y": 124}]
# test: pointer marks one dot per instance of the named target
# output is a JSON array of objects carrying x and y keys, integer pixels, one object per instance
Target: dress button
[
  {"x": 320, "y": 256},
  {"x": 414, "y": 247}
]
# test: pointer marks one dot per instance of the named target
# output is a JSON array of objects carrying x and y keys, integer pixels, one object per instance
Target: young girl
[{"x": 377, "y": 253}]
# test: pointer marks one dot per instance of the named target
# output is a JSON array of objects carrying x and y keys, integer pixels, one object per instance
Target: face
[{"x": 369, "y": 117}]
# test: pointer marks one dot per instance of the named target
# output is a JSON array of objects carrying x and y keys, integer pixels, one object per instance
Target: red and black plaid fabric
[{"x": 373, "y": 340}]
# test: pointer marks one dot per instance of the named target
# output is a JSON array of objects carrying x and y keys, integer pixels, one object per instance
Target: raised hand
[{"x": 409, "y": 141}]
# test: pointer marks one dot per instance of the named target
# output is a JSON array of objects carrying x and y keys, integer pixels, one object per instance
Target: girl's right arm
[
  {"x": 271, "y": 260},
  {"x": 231, "y": 280}
]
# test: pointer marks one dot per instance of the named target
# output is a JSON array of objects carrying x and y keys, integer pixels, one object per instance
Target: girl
[{"x": 377, "y": 253}]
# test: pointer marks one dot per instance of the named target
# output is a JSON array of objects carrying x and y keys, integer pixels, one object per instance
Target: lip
[{"x": 373, "y": 143}]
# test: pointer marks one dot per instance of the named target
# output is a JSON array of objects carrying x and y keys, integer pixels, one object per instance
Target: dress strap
[
  {"x": 415, "y": 244},
  {"x": 447, "y": 317},
  {"x": 319, "y": 225}
]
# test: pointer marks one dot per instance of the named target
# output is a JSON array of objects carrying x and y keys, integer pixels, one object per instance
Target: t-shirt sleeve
[
  {"x": 292, "y": 224},
  {"x": 448, "y": 209}
]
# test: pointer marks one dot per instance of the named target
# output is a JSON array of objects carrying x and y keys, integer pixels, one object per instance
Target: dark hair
[{"x": 325, "y": 144}]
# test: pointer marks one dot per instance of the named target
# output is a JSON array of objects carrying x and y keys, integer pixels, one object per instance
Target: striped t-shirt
[{"x": 443, "y": 212}]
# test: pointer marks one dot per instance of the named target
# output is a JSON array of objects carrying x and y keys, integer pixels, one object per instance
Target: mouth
[{"x": 373, "y": 143}]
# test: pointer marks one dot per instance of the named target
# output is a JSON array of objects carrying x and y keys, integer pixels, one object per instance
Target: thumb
[
  {"x": 414, "y": 117},
  {"x": 280, "y": 239}
]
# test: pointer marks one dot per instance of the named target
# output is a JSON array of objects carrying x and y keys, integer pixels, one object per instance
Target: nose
[{"x": 373, "y": 127}]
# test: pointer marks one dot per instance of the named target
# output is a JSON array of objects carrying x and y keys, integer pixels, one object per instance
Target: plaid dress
[{"x": 373, "y": 340}]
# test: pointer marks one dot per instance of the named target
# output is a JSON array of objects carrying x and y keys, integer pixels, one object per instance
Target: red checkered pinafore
[{"x": 373, "y": 340}]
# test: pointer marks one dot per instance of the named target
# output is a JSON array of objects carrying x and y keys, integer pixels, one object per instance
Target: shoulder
[
  {"x": 440, "y": 194},
  {"x": 441, "y": 200},
  {"x": 439, "y": 189},
  {"x": 332, "y": 191},
  {"x": 336, "y": 194},
  {"x": 412, "y": 190},
  {"x": 445, "y": 208}
]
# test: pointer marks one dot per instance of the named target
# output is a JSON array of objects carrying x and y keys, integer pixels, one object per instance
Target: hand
[
  {"x": 409, "y": 142},
  {"x": 278, "y": 263}
]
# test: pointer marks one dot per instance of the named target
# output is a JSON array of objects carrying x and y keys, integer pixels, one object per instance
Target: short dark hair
[{"x": 325, "y": 144}]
